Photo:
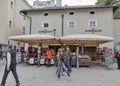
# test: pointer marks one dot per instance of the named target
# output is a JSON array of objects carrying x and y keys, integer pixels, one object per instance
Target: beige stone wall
[
  {"x": 20, "y": 21},
  {"x": 3, "y": 20},
  {"x": 11, "y": 13},
  {"x": 81, "y": 17},
  {"x": 104, "y": 18},
  {"x": 117, "y": 30}
]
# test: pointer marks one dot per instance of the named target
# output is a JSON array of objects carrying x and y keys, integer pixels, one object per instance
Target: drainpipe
[
  {"x": 25, "y": 14},
  {"x": 62, "y": 34}
]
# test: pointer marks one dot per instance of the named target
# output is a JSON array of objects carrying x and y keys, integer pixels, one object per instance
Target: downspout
[
  {"x": 23, "y": 14},
  {"x": 62, "y": 33}
]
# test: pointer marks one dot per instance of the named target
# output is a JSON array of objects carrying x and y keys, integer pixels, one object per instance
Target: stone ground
[{"x": 30, "y": 75}]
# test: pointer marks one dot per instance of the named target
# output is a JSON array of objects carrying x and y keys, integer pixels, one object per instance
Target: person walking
[
  {"x": 118, "y": 58},
  {"x": 61, "y": 51},
  {"x": 103, "y": 57},
  {"x": 67, "y": 57},
  {"x": 10, "y": 66},
  {"x": 61, "y": 65}
]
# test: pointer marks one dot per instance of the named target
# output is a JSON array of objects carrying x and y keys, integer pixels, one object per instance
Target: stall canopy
[
  {"x": 35, "y": 39},
  {"x": 86, "y": 39}
]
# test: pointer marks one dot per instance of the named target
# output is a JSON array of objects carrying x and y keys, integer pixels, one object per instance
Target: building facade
[
  {"x": 49, "y": 3},
  {"x": 11, "y": 22},
  {"x": 67, "y": 20},
  {"x": 117, "y": 32}
]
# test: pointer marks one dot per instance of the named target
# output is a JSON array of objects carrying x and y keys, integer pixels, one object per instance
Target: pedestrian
[
  {"x": 61, "y": 65},
  {"x": 118, "y": 58},
  {"x": 67, "y": 57},
  {"x": 61, "y": 51},
  {"x": 1, "y": 54},
  {"x": 103, "y": 57},
  {"x": 49, "y": 57},
  {"x": 10, "y": 66}
]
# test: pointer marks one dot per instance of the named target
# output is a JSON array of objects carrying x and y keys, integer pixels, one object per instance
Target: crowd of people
[{"x": 62, "y": 59}]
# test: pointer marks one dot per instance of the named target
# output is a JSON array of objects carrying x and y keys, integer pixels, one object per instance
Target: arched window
[{"x": 10, "y": 24}]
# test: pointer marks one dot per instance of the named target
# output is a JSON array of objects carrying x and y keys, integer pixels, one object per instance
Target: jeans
[
  {"x": 6, "y": 72},
  {"x": 68, "y": 65},
  {"x": 48, "y": 62},
  {"x": 64, "y": 68}
]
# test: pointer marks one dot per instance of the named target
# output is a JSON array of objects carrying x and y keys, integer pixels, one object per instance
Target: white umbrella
[
  {"x": 35, "y": 38},
  {"x": 88, "y": 39}
]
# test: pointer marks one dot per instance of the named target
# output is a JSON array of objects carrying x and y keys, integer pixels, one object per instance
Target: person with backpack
[{"x": 10, "y": 66}]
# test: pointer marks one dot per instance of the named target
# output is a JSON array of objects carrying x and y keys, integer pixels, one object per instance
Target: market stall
[
  {"x": 87, "y": 44},
  {"x": 36, "y": 40}
]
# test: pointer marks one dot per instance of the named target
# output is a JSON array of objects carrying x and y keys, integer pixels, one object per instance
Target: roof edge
[{"x": 68, "y": 7}]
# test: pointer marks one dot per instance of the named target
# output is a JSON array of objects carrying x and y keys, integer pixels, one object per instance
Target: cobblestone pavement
[{"x": 30, "y": 75}]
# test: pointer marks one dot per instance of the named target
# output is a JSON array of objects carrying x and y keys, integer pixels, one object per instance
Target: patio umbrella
[
  {"x": 86, "y": 39},
  {"x": 35, "y": 39}
]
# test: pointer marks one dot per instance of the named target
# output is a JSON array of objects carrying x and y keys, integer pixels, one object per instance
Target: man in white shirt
[{"x": 10, "y": 66}]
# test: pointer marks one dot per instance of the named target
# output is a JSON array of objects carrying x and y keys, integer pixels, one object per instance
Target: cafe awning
[
  {"x": 86, "y": 39},
  {"x": 35, "y": 39}
]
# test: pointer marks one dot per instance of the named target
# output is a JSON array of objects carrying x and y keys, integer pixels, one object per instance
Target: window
[
  {"x": 11, "y": 4},
  {"x": 8, "y": 42},
  {"x": 45, "y": 14},
  {"x": 46, "y": 24},
  {"x": 23, "y": 30},
  {"x": 10, "y": 24},
  {"x": 71, "y": 24},
  {"x": 71, "y": 13},
  {"x": 92, "y": 23},
  {"x": 92, "y": 12}
]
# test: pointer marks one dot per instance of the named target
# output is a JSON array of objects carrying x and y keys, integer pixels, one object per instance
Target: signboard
[{"x": 93, "y": 30}]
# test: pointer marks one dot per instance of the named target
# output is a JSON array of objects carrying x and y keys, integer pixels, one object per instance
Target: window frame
[
  {"x": 11, "y": 4},
  {"x": 43, "y": 24},
  {"x": 71, "y": 25},
  {"x": 91, "y": 24}
]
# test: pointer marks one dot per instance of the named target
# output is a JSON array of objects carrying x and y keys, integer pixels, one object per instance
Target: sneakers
[
  {"x": 69, "y": 79},
  {"x": 17, "y": 84},
  {"x": 58, "y": 79}
]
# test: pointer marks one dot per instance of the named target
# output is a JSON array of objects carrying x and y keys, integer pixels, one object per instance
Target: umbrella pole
[
  {"x": 82, "y": 52},
  {"x": 77, "y": 53}
]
